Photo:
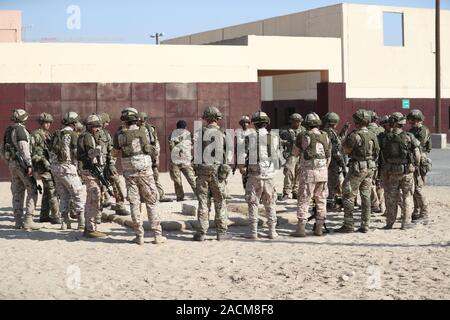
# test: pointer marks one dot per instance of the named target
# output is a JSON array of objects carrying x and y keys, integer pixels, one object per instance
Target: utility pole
[
  {"x": 157, "y": 36},
  {"x": 438, "y": 67}
]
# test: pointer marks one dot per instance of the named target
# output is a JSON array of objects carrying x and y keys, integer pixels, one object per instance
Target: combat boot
[
  {"x": 159, "y": 239},
  {"x": 45, "y": 219},
  {"x": 121, "y": 211},
  {"x": 318, "y": 228},
  {"x": 94, "y": 234},
  {"x": 407, "y": 226},
  {"x": 300, "y": 232},
  {"x": 294, "y": 195},
  {"x": 253, "y": 232},
  {"x": 81, "y": 222},
  {"x": 29, "y": 224},
  {"x": 199, "y": 237},
  {"x": 363, "y": 229},
  {"x": 55, "y": 220},
  {"x": 222, "y": 236},
  {"x": 272, "y": 231},
  {"x": 138, "y": 240},
  {"x": 283, "y": 197},
  {"x": 18, "y": 222},
  {"x": 345, "y": 229}
]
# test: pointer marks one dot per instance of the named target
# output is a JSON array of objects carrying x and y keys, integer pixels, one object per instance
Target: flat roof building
[{"x": 336, "y": 58}]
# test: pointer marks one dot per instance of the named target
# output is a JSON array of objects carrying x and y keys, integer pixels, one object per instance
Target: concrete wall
[
  {"x": 372, "y": 70},
  {"x": 10, "y": 26},
  {"x": 64, "y": 62},
  {"x": 296, "y": 86}
]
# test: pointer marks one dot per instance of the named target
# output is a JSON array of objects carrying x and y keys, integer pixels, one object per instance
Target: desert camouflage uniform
[
  {"x": 363, "y": 153},
  {"x": 64, "y": 167},
  {"x": 20, "y": 140},
  {"x": 137, "y": 170},
  {"x": 315, "y": 154},
  {"x": 375, "y": 191},
  {"x": 180, "y": 145},
  {"x": 41, "y": 164},
  {"x": 291, "y": 167},
  {"x": 241, "y": 147},
  {"x": 399, "y": 174},
  {"x": 260, "y": 184}
]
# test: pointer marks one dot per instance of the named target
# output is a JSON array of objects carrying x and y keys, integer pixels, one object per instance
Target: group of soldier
[{"x": 319, "y": 165}]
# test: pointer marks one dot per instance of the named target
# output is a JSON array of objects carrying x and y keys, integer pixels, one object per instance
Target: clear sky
[{"x": 133, "y": 21}]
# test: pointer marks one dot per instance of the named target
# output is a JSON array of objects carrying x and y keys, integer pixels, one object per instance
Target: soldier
[
  {"x": 241, "y": 146},
  {"x": 111, "y": 173},
  {"x": 17, "y": 152},
  {"x": 377, "y": 205},
  {"x": 64, "y": 167},
  {"x": 400, "y": 152},
  {"x": 211, "y": 176},
  {"x": 152, "y": 136},
  {"x": 315, "y": 155},
  {"x": 91, "y": 152},
  {"x": 135, "y": 148},
  {"x": 79, "y": 129},
  {"x": 41, "y": 163},
  {"x": 363, "y": 149},
  {"x": 337, "y": 167},
  {"x": 180, "y": 146},
  {"x": 421, "y": 133},
  {"x": 291, "y": 166},
  {"x": 260, "y": 184},
  {"x": 381, "y": 179}
]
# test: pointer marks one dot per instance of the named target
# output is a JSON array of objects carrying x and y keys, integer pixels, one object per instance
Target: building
[
  {"x": 328, "y": 59},
  {"x": 10, "y": 26}
]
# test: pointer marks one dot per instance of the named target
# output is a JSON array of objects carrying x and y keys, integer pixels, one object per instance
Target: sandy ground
[{"x": 395, "y": 264}]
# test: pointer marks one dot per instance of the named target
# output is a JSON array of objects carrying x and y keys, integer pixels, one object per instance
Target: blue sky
[{"x": 133, "y": 21}]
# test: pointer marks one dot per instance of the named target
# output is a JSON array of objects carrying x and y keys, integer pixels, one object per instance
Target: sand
[{"x": 393, "y": 264}]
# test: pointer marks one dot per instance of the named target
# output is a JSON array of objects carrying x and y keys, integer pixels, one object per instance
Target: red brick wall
[{"x": 165, "y": 103}]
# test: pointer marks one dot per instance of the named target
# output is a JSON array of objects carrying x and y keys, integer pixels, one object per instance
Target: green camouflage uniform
[
  {"x": 362, "y": 147},
  {"x": 375, "y": 192},
  {"x": 41, "y": 164},
  {"x": 336, "y": 167},
  {"x": 152, "y": 136},
  {"x": 291, "y": 167},
  {"x": 400, "y": 153},
  {"x": 421, "y": 133}
]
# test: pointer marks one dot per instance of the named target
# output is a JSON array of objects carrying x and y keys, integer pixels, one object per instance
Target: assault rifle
[
  {"x": 98, "y": 173},
  {"x": 24, "y": 167}
]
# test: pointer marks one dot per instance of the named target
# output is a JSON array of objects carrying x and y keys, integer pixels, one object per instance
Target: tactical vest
[
  {"x": 366, "y": 150},
  {"x": 40, "y": 150},
  {"x": 57, "y": 146},
  {"x": 152, "y": 133},
  {"x": 423, "y": 135},
  {"x": 129, "y": 139},
  {"x": 310, "y": 153},
  {"x": 397, "y": 148},
  {"x": 206, "y": 143},
  {"x": 9, "y": 148}
]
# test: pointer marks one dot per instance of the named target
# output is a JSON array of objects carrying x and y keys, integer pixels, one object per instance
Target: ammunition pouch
[{"x": 425, "y": 165}]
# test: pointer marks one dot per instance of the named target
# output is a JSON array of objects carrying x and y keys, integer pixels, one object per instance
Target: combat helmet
[
  {"x": 245, "y": 119},
  {"x": 129, "y": 114},
  {"x": 212, "y": 114},
  {"x": 93, "y": 120},
  {"x": 295, "y": 117},
  {"x": 312, "y": 120},
  {"x": 260, "y": 117},
  {"x": 45, "y": 118},
  {"x": 104, "y": 117},
  {"x": 331, "y": 118},
  {"x": 374, "y": 116},
  {"x": 398, "y": 118},
  {"x": 142, "y": 116},
  {"x": 415, "y": 115},
  {"x": 19, "y": 115},
  {"x": 70, "y": 117},
  {"x": 384, "y": 120},
  {"x": 362, "y": 116}
]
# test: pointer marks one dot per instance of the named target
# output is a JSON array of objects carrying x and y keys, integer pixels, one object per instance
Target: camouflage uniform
[
  {"x": 93, "y": 152},
  {"x": 362, "y": 147},
  {"x": 337, "y": 166},
  {"x": 376, "y": 202},
  {"x": 241, "y": 145},
  {"x": 291, "y": 167},
  {"x": 17, "y": 141},
  {"x": 120, "y": 192},
  {"x": 64, "y": 167},
  {"x": 41, "y": 163},
  {"x": 400, "y": 151},
  {"x": 152, "y": 136},
  {"x": 421, "y": 133},
  {"x": 211, "y": 176},
  {"x": 180, "y": 145},
  {"x": 260, "y": 184},
  {"x": 132, "y": 141},
  {"x": 315, "y": 153}
]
